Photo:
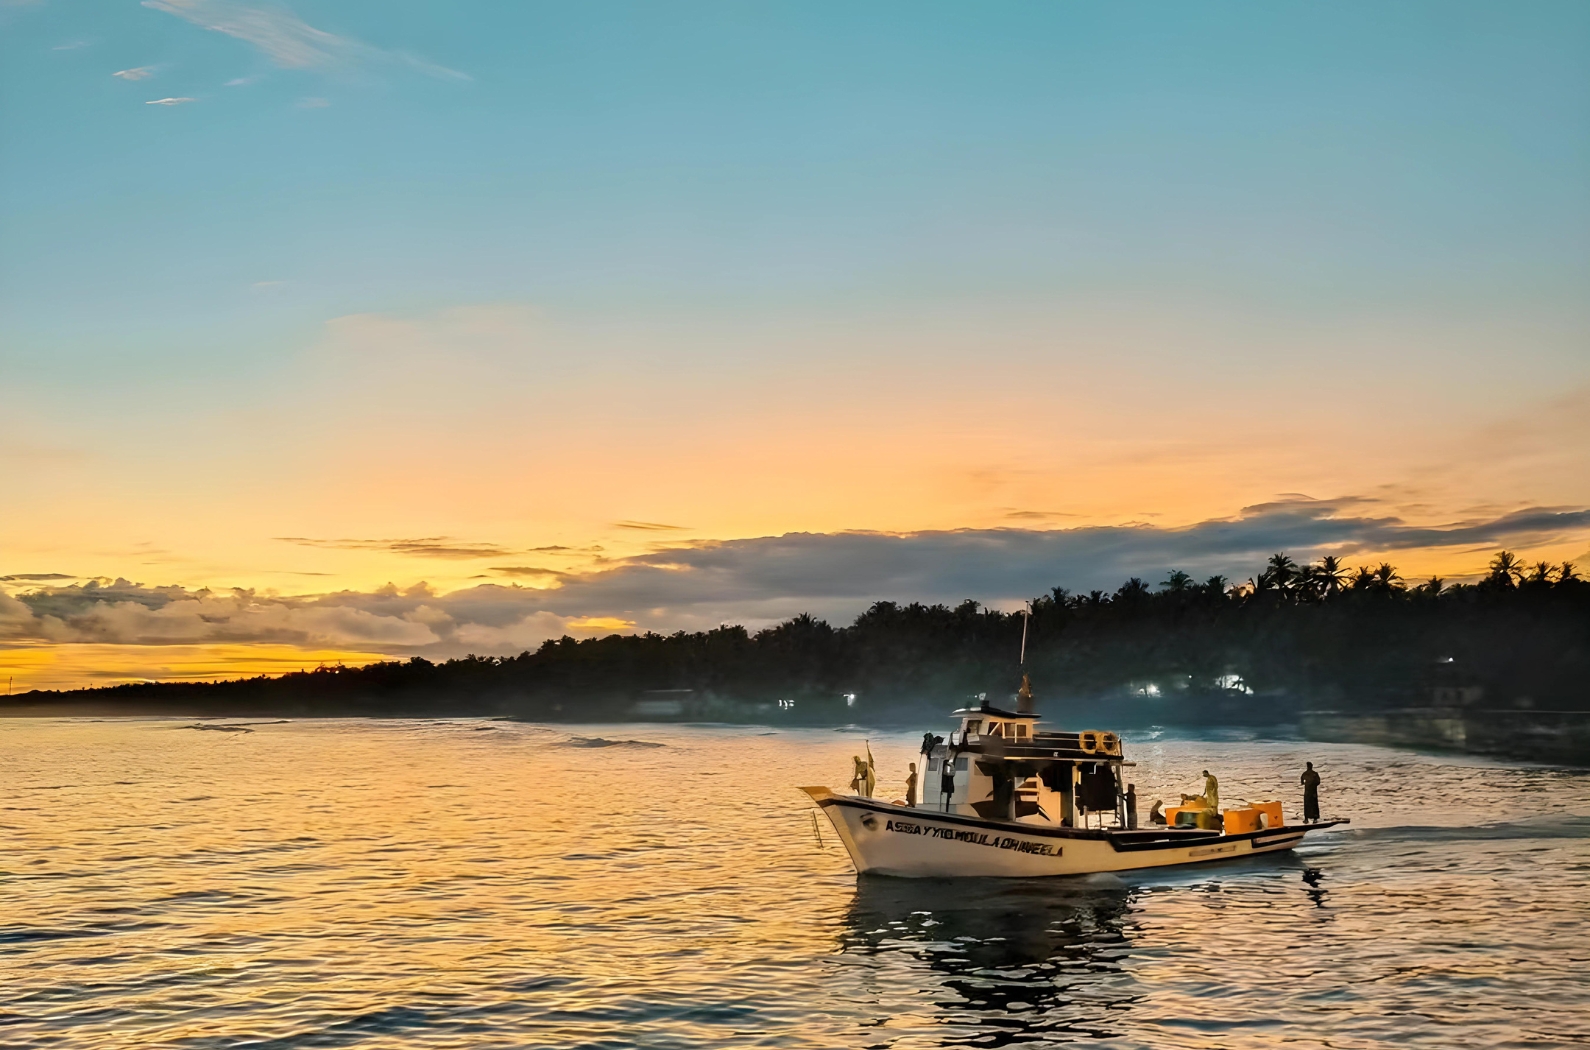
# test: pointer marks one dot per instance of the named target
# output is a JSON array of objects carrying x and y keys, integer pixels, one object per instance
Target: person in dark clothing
[
  {"x": 1004, "y": 798},
  {"x": 910, "y": 787},
  {"x": 1131, "y": 807},
  {"x": 947, "y": 779},
  {"x": 1310, "y": 781}
]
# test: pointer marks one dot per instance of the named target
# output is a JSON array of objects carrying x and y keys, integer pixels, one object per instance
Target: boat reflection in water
[
  {"x": 1099, "y": 958},
  {"x": 990, "y": 962}
]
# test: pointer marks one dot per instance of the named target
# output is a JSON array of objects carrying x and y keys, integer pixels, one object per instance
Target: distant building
[
  {"x": 661, "y": 703},
  {"x": 1456, "y": 695}
]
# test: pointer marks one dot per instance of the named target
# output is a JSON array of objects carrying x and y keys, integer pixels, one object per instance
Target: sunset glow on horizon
[{"x": 433, "y": 334}]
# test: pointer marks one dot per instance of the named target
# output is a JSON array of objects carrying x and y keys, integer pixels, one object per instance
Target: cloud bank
[{"x": 752, "y": 581}]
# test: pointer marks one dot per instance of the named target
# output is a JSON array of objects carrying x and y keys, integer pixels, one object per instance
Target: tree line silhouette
[{"x": 1215, "y": 651}]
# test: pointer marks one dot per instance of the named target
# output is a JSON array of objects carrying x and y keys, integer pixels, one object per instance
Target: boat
[{"x": 1022, "y": 802}]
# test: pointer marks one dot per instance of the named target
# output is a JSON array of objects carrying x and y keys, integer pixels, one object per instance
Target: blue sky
[
  {"x": 1302, "y": 159},
  {"x": 377, "y": 276}
]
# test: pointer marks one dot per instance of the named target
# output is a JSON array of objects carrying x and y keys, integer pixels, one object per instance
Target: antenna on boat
[
  {"x": 1026, "y": 618},
  {"x": 1024, "y": 697}
]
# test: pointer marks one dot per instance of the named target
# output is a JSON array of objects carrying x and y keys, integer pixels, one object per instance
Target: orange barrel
[{"x": 1240, "y": 821}]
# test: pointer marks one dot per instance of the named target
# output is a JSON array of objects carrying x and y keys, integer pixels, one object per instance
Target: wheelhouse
[{"x": 1000, "y": 766}]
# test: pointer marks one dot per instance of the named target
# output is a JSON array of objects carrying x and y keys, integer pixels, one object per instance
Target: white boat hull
[{"x": 885, "y": 839}]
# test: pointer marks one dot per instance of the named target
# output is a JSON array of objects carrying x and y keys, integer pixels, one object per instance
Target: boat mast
[
  {"x": 1024, "y": 697},
  {"x": 1026, "y": 618}
]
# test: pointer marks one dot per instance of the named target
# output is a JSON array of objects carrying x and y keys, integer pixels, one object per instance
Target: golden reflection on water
[{"x": 477, "y": 884}]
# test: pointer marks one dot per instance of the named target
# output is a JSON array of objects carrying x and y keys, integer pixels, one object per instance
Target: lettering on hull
[
  {"x": 974, "y": 838},
  {"x": 1210, "y": 851}
]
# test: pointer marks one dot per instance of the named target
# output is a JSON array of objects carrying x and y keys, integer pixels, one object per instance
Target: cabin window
[
  {"x": 933, "y": 765},
  {"x": 960, "y": 764},
  {"x": 1021, "y": 729},
  {"x": 995, "y": 729}
]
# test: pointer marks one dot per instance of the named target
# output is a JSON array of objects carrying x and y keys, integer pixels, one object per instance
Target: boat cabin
[{"x": 1000, "y": 766}]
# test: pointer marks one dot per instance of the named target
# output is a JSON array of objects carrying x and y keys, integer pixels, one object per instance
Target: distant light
[{"x": 850, "y": 699}]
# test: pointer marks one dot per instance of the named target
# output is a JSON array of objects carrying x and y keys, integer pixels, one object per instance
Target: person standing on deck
[
  {"x": 1310, "y": 782},
  {"x": 858, "y": 775},
  {"x": 910, "y": 787},
  {"x": 1212, "y": 791}
]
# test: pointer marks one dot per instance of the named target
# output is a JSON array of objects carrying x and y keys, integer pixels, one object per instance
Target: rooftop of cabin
[
  {"x": 1020, "y": 732},
  {"x": 994, "y": 712}
]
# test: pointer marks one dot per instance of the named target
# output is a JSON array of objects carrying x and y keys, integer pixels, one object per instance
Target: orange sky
[{"x": 436, "y": 448}]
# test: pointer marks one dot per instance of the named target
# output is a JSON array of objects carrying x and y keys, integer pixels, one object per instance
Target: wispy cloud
[
  {"x": 169, "y": 101},
  {"x": 36, "y": 577},
  {"x": 649, "y": 526},
  {"x": 136, "y": 73},
  {"x": 424, "y": 547},
  {"x": 313, "y": 103},
  {"x": 71, "y": 45},
  {"x": 288, "y": 40},
  {"x": 527, "y": 570},
  {"x": 1036, "y": 515},
  {"x": 244, "y": 81}
]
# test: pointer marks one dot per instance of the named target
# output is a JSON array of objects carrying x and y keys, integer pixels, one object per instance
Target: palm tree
[
  {"x": 1178, "y": 583},
  {"x": 1216, "y": 585},
  {"x": 1434, "y": 586},
  {"x": 1506, "y": 569},
  {"x": 1541, "y": 575},
  {"x": 1363, "y": 579},
  {"x": 1282, "y": 572},
  {"x": 1385, "y": 579},
  {"x": 1132, "y": 590},
  {"x": 1318, "y": 582},
  {"x": 1330, "y": 575},
  {"x": 1567, "y": 572}
]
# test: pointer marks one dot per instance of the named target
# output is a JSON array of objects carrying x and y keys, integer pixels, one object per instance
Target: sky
[{"x": 348, "y": 330}]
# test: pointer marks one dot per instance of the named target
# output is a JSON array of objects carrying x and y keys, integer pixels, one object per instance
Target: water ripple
[{"x": 420, "y": 884}]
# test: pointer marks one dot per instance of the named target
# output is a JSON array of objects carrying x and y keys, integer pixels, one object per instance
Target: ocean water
[{"x": 433, "y": 884}]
